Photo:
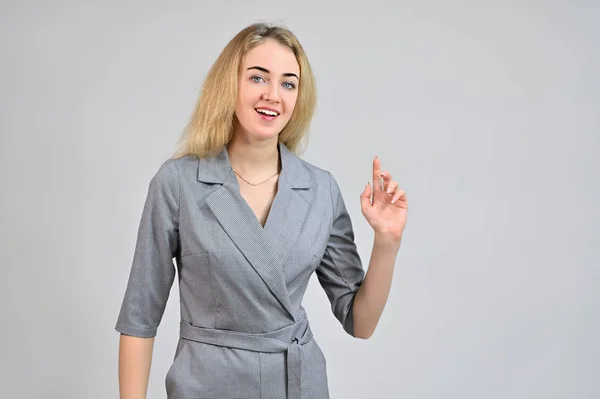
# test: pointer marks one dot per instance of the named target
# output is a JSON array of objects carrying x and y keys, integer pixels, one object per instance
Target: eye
[
  {"x": 256, "y": 77},
  {"x": 290, "y": 85}
]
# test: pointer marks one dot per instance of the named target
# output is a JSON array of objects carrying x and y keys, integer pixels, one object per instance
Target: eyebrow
[{"x": 265, "y": 70}]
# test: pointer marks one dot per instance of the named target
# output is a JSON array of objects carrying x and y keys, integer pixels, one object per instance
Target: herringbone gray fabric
[{"x": 244, "y": 332}]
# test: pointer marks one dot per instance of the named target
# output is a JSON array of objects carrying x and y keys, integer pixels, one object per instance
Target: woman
[{"x": 248, "y": 223}]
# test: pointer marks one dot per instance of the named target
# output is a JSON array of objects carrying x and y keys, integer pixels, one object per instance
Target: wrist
[{"x": 387, "y": 240}]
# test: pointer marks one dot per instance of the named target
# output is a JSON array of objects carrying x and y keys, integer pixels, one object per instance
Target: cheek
[
  {"x": 245, "y": 94},
  {"x": 244, "y": 103},
  {"x": 291, "y": 103}
]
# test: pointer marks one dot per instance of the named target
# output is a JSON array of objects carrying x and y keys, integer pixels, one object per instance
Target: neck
[{"x": 254, "y": 160}]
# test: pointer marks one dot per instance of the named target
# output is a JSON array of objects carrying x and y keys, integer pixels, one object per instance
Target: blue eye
[{"x": 260, "y": 79}]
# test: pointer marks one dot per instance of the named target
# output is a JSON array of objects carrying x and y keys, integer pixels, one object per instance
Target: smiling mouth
[{"x": 267, "y": 113}]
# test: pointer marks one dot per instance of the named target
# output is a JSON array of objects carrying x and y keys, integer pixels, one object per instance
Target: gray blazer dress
[{"x": 243, "y": 330}]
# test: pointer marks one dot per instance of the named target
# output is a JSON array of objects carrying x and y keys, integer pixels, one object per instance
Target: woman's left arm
[{"x": 386, "y": 211}]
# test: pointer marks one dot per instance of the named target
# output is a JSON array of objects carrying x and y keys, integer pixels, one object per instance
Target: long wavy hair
[{"x": 211, "y": 124}]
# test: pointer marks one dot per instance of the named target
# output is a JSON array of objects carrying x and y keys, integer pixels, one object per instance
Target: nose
[{"x": 272, "y": 92}]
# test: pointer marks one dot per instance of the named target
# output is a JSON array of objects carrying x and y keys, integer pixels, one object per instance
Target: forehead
[{"x": 273, "y": 56}]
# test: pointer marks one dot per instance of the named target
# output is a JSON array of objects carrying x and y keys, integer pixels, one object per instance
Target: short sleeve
[
  {"x": 340, "y": 272},
  {"x": 152, "y": 271}
]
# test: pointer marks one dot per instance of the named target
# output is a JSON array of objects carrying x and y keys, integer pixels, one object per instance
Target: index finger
[{"x": 377, "y": 182}]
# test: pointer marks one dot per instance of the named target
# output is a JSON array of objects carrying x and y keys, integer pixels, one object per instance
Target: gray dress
[{"x": 243, "y": 330}]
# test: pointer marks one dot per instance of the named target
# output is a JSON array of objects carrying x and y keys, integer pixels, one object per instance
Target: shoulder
[
  {"x": 183, "y": 168},
  {"x": 172, "y": 171},
  {"x": 185, "y": 163},
  {"x": 315, "y": 173},
  {"x": 322, "y": 181}
]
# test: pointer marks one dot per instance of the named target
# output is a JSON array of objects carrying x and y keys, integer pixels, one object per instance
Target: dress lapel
[{"x": 266, "y": 249}]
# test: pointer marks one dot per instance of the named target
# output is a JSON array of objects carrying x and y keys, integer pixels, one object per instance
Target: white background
[{"x": 486, "y": 112}]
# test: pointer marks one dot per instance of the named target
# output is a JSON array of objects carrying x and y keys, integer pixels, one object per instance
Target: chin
[{"x": 265, "y": 134}]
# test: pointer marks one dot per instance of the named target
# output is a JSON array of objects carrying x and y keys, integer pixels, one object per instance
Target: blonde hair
[{"x": 211, "y": 124}]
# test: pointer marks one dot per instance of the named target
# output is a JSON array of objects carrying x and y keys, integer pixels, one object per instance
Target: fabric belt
[{"x": 288, "y": 339}]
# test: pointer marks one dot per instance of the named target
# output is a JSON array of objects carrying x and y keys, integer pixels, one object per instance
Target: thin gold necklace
[{"x": 254, "y": 184}]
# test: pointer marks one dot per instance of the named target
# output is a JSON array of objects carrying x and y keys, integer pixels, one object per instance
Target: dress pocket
[
  {"x": 314, "y": 373},
  {"x": 208, "y": 371},
  {"x": 177, "y": 371},
  {"x": 195, "y": 266}
]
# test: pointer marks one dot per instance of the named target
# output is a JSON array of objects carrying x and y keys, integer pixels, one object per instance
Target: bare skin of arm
[{"x": 135, "y": 359}]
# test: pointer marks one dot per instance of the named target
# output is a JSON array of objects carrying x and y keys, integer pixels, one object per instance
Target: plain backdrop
[{"x": 486, "y": 112}]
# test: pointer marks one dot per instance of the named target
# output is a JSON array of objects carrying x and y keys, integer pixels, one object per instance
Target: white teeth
[{"x": 266, "y": 112}]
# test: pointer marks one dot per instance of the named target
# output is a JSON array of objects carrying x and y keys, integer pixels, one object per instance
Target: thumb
[{"x": 365, "y": 197}]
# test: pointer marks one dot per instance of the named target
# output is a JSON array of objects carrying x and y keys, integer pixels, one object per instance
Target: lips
[
  {"x": 266, "y": 117},
  {"x": 267, "y": 111}
]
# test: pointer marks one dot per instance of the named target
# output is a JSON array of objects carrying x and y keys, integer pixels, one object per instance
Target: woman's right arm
[
  {"x": 135, "y": 358},
  {"x": 150, "y": 280}
]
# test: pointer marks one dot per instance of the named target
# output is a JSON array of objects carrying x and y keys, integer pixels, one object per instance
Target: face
[{"x": 267, "y": 91}]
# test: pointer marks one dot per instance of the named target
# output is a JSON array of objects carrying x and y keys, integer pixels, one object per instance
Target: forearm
[
  {"x": 135, "y": 358},
  {"x": 373, "y": 293}
]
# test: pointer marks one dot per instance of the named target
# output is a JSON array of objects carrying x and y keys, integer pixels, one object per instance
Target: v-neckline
[{"x": 274, "y": 202}]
